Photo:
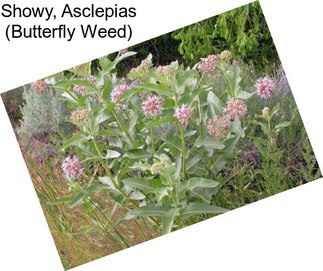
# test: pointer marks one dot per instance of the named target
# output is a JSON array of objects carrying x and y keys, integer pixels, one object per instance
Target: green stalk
[
  {"x": 152, "y": 141},
  {"x": 108, "y": 234},
  {"x": 116, "y": 185},
  {"x": 183, "y": 150},
  {"x": 200, "y": 115},
  {"x": 111, "y": 224}
]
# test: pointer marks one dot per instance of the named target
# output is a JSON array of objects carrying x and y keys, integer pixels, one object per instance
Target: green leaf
[
  {"x": 137, "y": 154},
  {"x": 112, "y": 154},
  {"x": 78, "y": 199},
  {"x": 161, "y": 120},
  {"x": 168, "y": 221},
  {"x": 185, "y": 77},
  {"x": 158, "y": 88},
  {"x": 281, "y": 125},
  {"x": 215, "y": 102},
  {"x": 244, "y": 95},
  {"x": 195, "y": 182},
  {"x": 208, "y": 142},
  {"x": 173, "y": 142},
  {"x": 148, "y": 210},
  {"x": 74, "y": 140},
  {"x": 61, "y": 200},
  {"x": 236, "y": 128},
  {"x": 197, "y": 208},
  {"x": 73, "y": 82},
  {"x": 146, "y": 185}
]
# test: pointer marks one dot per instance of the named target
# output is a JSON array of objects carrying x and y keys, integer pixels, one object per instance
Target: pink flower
[
  {"x": 72, "y": 167},
  {"x": 81, "y": 114},
  {"x": 265, "y": 87},
  {"x": 80, "y": 89},
  {"x": 236, "y": 109},
  {"x": 40, "y": 85},
  {"x": 92, "y": 79},
  {"x": 183, "y": 114},
  {"x": 152, "y": 106},
  {"x": 117, "y": 92},
  {"x": 218, "y": 127},
  {"x": 209, "y": 64}
]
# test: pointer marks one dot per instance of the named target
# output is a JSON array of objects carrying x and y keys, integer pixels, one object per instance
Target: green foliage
[
  {"x": 243, "y": 31},
  {"x": 42, "y": 113},
  {"x": 176, "y": 184}
]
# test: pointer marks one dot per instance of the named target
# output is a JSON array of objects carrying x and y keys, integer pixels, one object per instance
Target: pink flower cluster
[
  {"x": 236, "y": 109},
  {"x": 183, "y": 114},
  {"x": 265, "y": 87},
  {"x": 218, "y": 127},
  {"x": 152, "y": 106},
  {"x": 72, "y": 167},
  {"x": 209, "y": 65},
  {"x": 117, "y": 92},
  {"x": 92, "y": 79},
  {"x": 80, "y": 89},
  {"x": 79, "y": 115},
  {"x": 40, "y": 86}
]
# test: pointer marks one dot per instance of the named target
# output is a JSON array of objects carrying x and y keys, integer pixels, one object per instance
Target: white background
[{"x": 283, "y": 232}]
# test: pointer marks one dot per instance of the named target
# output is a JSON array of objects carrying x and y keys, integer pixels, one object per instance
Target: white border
[{"x": 283, "y": 232}]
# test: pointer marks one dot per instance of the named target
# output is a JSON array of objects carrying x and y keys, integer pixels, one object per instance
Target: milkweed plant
[{"x": 157, "y": 139}]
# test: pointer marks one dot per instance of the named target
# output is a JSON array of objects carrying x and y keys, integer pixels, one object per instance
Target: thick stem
[
  {"x": 152, "y": 141},
  {"x": 200, "y": 115},
  {"x": 183, "y": 150}
]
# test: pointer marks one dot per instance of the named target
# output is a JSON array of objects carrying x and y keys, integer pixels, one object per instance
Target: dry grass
[{"x": 76, "y": 232}]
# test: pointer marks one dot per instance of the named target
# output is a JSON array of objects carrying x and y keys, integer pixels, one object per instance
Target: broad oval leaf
[
  {"x": 197, "y": 208},
  {"x": 195, "y": 182},
  {"x": 209, "y": 143}
]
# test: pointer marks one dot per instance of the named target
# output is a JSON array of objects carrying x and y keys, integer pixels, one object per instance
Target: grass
[{"x": 80, "y": 233}]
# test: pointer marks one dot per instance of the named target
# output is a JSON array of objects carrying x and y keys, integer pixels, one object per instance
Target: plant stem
[
  {"x": 200, "y": 115},
  {"x": 183, "y": 150},
  {"x": 122, "y": 126},
  {"x": 107, "y": 170},
  {"x": 111, "y": 224},
  {"x": 152, "y": 141}
]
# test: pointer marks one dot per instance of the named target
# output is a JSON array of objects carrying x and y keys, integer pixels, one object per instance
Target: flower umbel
[
  {"x": 166, "y": 71},
  {"x": 117, "y": 92},
  {"x": 72, "y": 167},
  {"x": 183, "y": 114},
  {"x": 226, "y": 55},
  {"x": 265, "y": 87},
  {"x": 92, "y": 79},
  {"x": 265, "y": 112},
  {"x": 79, "y": 115},
  {"x": 80, "y": 89},
  {"x": 152, "y": 106},
  {"x": 40, "y": 86},
  {"x": 161, "y": 166},
  {"x": 143, "y": 67},
  {"x": 209, "y": 64},
  {"x": 218, "y": 127},
  {"x": 236, "y": 109}
]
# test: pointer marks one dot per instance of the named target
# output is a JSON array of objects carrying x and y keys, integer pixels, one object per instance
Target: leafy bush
[
  {"x": 157, "y": 140},
  {"x": 243, "y": 31},
  {"x": 42, "y": 113}
]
